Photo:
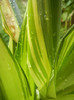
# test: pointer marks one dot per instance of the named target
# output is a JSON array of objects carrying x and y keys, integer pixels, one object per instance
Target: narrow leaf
[{"x": 21, "y": 55}]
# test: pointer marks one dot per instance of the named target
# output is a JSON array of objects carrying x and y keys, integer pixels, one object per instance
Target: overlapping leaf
[
  {"x": 42, "y": 41},
  {"x": 42, "y": 53},
  {"x": 21, "y": 55},
  {"x": 65, "y": 69}
]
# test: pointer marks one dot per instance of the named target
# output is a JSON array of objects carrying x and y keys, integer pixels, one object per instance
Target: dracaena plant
[{"x": 37, "y": 63}]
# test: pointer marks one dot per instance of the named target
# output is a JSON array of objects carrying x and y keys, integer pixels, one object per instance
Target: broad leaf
[{"x": 13, "y": 82}]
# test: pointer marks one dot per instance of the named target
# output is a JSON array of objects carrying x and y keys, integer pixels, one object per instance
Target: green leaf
[
  {"x": 64, "y": 97},
  {"x": 66, "y": 91},
  {"x": 65, "y": 63},
  {"x": 21, "y": 55},
  {"x": 12, "y": 78},
  {"x": 66, "y": 74},
  {"x": 43, "y": 24}
]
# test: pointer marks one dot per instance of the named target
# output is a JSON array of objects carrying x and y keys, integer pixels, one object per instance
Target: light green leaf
[{"x": 12, "y": 78}]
